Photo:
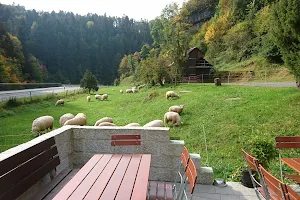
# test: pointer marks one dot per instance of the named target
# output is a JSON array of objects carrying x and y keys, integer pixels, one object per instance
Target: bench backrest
[
  {"x": 287, "y": 142},
  {"x": 275, "y": 188},
  {"x": 22, "y": 170},
  {"x": 126, "y": 140}
]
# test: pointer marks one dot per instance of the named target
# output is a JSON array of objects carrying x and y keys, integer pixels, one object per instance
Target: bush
[
  {"x": 117, "y": 82},
  {"x": 12, "y": 102}
]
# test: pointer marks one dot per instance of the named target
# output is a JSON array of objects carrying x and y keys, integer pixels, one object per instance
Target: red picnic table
[{"x": 110, "y": 176}]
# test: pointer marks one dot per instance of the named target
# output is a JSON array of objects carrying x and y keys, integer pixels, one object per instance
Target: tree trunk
[{"x": 298, "y": 81}]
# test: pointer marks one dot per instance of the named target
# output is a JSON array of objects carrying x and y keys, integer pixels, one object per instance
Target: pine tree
[{"x": 89, "y": 81}]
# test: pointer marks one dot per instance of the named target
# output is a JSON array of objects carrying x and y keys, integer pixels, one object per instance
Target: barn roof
[{"x": 191, "y": 49}]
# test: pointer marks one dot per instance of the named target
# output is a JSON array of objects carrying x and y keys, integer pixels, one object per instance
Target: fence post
[
  {"x": 66, "y": 93},
  {"x": 228, "y": 77},
  {"x": 265, "y": 76},
  {"x": 202, "y": 78},
  {"x": 30, "y": 96}
]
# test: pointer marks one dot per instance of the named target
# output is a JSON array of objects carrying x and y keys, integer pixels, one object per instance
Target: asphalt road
[{"x": 4, "y": 95}]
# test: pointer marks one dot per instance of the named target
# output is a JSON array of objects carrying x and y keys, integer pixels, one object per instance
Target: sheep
[
  {"x": 177, "y": 109},
  {"x": 171, "y": 94},
  {"x": 80, "y": 115},
  {"x": 134, "y": 90},
  {"x": 60, "y": 102},
  {"x": 133, "y": 124},
  {"x": 141, "y": 86},
  {"x": 65, "y": 118},
  {"x": 104, "y": 119},
  {"x": 104, "y": 97},
  {"x": 97, "y": 96},
  {"x": 76, "y": 121},
  {"x": 106, "y": 124},
  {"x": 42, "y": 123},
  {"x": 172, "y": 116},
  {"x": 154, "y": 123},
  {"x": 88, "y": 98},
  {"x": 129, "y": 91},
  {"x": 121, "y": 91}
]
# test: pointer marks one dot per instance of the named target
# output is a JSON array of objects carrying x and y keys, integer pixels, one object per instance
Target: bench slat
[
  {"x": 129, "y": 178},
  {"x": 125, "y": 143},
  {"x": 153, "y": 188},
  {"x": 126, "y": 137},
  {"x": 25, "y": 184},
  {"x": 16, "y": 175},
  {"x": 21, "y": 157}
]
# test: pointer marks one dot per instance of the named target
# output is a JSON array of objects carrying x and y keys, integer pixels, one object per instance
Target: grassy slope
[{"x": 229, "y": 125}]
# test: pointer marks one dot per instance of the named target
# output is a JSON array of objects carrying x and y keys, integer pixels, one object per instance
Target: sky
[{"x": 136, "y": 9}]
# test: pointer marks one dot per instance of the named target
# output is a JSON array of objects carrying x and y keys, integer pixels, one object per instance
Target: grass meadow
[{"x": 231, "y": 117}]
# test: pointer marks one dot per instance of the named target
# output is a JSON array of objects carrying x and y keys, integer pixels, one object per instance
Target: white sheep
[
  {"x": 155, "y": 123},
  {"x": 81, "y": 121},
  {"x": 134, "y": 90},
  {"x": 121, "y": 91},
  {"x": 129, "y": 91},
  {"x": 133, "y": 124},
  {"x": 104, "y": 97},
  {"x": 42, "y": 123},
  {"x": 80, "y": 115},
  {"x": 88, "y": 98},
  {"x": 104, "y": 119},
  {"x": 65, "y": 118},
  {"x": 60, "y": 102},
  {"x": 177, "y": 109},
  {"x": 97, "y": 96},
  {"x": 171, "y": 94},
  {"x": 141, "y": 86},
  {"x": 172, "y": 116},
  {"x": 106, "y": 124}
]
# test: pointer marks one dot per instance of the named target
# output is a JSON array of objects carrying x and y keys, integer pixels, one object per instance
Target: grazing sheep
[
  {"x": 80, "y": 115},
  {"x": 172, "y": 116},
  {"x": 104, "y": 97},
  {"x": 133, "y": 124},
  {"x": 171, "y": 94},
  {"x": 65, "y": 118},
  {"x": 141, "y": 86},
  {"x": 129, "y": 91},
  {"x": 88, "y": 98},
  {"x": 106, "y": 124},
  {"x": 217, "y": 82},
  {"x": 177, "y": 109},
  {"x": 60, "y": 102},
  {"x": 42, "y": 123},
  {"x": 76, "y": 121},
  {"x": 134, "y": 90},
  {"x": 97, "y": 96},
  {"x": 121, "y": 91},
  {"x": 104, "y": 119},
  {"x": 155, "y": 123}
]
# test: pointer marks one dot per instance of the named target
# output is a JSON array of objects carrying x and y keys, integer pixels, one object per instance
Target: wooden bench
[
  {"x": 22, "y": 170},
  {"x": 289, "y": 142}
]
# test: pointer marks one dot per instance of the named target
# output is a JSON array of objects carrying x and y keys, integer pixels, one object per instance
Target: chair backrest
[
  {"x": 287, "y": 142},
  {"x": 126, "y": 140},
  {"x": 291, "y": 194},
  {"x": 185, "y": 157},
  {"x": 191, "y": 173},
  {"x": 251, "y": 161},
  {"x": 274, "y": 187},
  {"x": 22, "y": 170}
]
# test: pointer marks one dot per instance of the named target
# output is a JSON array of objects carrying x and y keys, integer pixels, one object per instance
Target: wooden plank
[
  {"x": 101, "y": 182},
  {"x": 16, "y": 175},
  {"x": 129, "y": 178},
  {"x": 21, "y": 157},
  {"x": 90, "y": 179},
  {"x": 191, "y": 173},
  {"x": 153, "y": 188},
  {"x": 288, "y": 145},
  {"x": 115, "y": 181},
  {"x": 169, "y": 191},
  {"x": 141, "y": 183},
  {"x": 160, "y": 191},
  {"x": 287, "y": 139},
  {"x": 125, "y": 143},
  {"x": 271, "y": 182},
  {"x": 294, "y": 163},
  {"x": 50, "y": 186},
  {"x": 69, "y": 188},
  {"x": 126, "y": 137},
  {"x": 291, "y": 193},
  {"x": 21, "y": 187}
]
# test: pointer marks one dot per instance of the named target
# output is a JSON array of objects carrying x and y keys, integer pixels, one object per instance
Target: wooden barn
[{"x": 197, "y": 69}]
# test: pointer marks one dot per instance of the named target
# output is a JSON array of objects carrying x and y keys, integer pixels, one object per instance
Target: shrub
[
  {"x": 12, "y": 102},
  {"x": 116, "y": 82}
]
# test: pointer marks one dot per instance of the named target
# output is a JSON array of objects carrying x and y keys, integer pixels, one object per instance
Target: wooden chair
[
  {"x": 253, "y": 165},
  {"x": 290, "y": 193},
  {"x": 288, "y": 142},
  {"x": 166, "y": 190},
  {"x": 275, "y": 189}
]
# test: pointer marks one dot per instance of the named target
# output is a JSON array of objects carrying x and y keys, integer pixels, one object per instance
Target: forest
[{"x": 59, "y": 47}]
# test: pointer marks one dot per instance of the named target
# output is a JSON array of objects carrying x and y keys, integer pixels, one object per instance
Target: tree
[
  {"x": 89, "y": 81},
  {"x": 286, "y": 33}
]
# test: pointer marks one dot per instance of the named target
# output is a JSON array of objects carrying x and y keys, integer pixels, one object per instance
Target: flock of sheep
[{"x": 46, "y": 122}]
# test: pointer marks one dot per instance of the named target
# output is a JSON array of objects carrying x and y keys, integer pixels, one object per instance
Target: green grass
[{"x": 261, "y": 113}]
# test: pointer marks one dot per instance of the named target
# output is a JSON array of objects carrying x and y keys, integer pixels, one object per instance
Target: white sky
[{"x": 136, "y": 9}]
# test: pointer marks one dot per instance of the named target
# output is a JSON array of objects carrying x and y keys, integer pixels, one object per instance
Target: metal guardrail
[{"x": 22, "y": 86}]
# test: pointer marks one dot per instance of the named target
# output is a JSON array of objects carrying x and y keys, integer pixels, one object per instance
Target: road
[
  {"x": 266, "y": 84},
  {"x": 5, "y": 95}
]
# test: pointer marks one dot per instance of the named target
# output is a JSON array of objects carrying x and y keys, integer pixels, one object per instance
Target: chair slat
[
  {"x": 291, "y": 194},
  {"x": 287, "y": 139},
  {"x": 191, "y": 173}
]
